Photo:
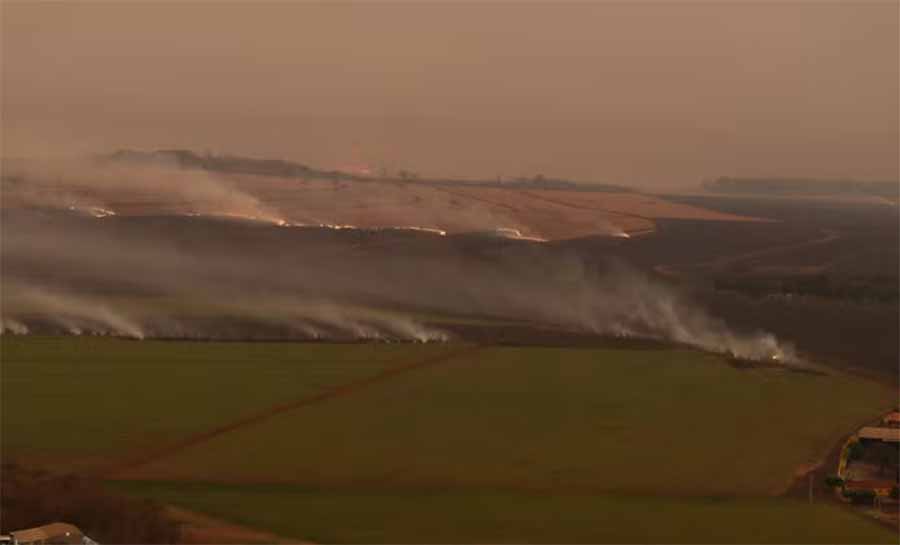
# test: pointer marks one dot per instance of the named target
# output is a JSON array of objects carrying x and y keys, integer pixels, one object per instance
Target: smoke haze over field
[
  {"x": 188, "y": 276},
  {"x": 660, "y": 93},
  {"x": 158, "y": 185},
  {"x": 85, "y": 185}
]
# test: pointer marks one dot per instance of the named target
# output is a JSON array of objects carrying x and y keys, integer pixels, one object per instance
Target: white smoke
[
  {"x": 101, "y": 190},
  {"x": 75, "y": 314},
  {"x": 311, "y": 286},
  {"x": 15, "y": 327}
]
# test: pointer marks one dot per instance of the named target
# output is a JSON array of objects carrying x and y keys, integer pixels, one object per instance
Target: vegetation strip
[{"x": 255, "y": 418}]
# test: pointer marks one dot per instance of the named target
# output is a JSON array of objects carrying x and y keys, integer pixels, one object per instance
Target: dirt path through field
[
  {"x": 477, "y": 198},
  {"x": 110, "y": 471},
  {"x": 568, "y": 204}
]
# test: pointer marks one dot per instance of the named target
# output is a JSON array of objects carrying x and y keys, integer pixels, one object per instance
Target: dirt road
[{"x": 144, "y": 458}]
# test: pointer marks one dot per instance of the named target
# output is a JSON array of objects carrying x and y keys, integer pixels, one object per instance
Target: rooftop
[
  {"x": 46, "y": 532},
  {"x": 881, "y": 434}
]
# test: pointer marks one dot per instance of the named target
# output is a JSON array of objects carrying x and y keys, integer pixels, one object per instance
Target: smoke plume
[{"x": 194, "y": 277}]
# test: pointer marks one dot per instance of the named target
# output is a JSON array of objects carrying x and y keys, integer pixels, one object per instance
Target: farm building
[
  {"x": 888, "y": 435},
  {"x": 892, "y": 419},
  {"x": 56, "y": 533}
]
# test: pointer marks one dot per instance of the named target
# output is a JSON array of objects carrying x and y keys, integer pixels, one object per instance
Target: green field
[
  {"x": 496, "y": 516},
  {"x": 83, "y": 400},
  {"x": 493, "y": 444},
  {"x": 636, "y": 421}
]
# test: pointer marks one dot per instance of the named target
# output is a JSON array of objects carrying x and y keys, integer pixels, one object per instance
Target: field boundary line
[
  {"x": 560, "y": 202},
  {"x": 254, "y": 418}
]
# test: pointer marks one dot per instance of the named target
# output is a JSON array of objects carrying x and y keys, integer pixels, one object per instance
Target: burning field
[
  {"x": 169, "y": 277},
  {"x": 101, "y": 189},
  {"x": 414, "y": 320},
  {"x": 158, "y": 251}
]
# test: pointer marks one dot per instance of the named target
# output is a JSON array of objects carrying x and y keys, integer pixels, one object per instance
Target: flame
[
  {"x": 359, "y": 169},
  {"x": 94, "y": 211},
  {"x": 98, "y": 212},
  {"x": 509, "y": 232},
  {"x": 434, "y": 230},
  {"x": 244, "y": 217}
]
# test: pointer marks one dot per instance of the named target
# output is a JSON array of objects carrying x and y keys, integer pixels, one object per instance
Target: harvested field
[
  {"x": 549, "y": 214},
  {"x": 374, "y": 204}
]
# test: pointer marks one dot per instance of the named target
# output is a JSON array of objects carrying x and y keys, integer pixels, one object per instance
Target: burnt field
[
  {"x": 152, "y": 251},
  {"x": 824, "y": 275},
  {"x": 194, "y": 277}
]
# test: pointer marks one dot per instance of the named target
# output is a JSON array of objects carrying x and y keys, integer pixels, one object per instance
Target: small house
[
  {"x": 56, "y": 533},
  {"x": 892, "y": 419}
]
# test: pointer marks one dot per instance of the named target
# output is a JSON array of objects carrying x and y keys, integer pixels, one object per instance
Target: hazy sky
[{"x": 649, "y": 92}]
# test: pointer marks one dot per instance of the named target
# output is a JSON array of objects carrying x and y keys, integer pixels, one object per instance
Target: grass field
[
  {"x": 496, "y": 516},
  {"x": 82, "y": 400},
  {"x": 639, "y": 421},
  {"x": 491, "y": 444}
]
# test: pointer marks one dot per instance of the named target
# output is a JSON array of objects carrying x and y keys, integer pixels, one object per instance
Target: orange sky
[{"x": 661, "y": 93}]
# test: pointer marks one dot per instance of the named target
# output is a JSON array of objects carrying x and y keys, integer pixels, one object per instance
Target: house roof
[
  {"x": 869, "y": 485},
  {"x": 47, "y": 531},
  {"x": 881, "y": 434}
]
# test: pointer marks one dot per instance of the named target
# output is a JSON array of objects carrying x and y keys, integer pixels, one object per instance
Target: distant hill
[
  {"x": 804, "y": 186},
  {"x": 227, "y": 164},
  {"x": 231, "y": 164}
]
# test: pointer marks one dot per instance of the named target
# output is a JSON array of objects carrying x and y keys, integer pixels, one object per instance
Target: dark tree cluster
[
  {"x": 861, "y": 289},
  {"x": 30, "y": 498}
]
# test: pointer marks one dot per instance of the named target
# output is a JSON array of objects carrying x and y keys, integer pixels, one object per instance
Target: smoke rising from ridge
[
  {"x": 87, "y": 186},
  {"x": 195, "y": 277},
  {"x": 137, "y": 183},
  {"x": 73, "y": 313}
]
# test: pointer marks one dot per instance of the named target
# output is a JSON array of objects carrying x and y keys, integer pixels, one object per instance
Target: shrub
[
  {"x": 866, "y": 497},
  {"x": 32, "y": 498}
]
